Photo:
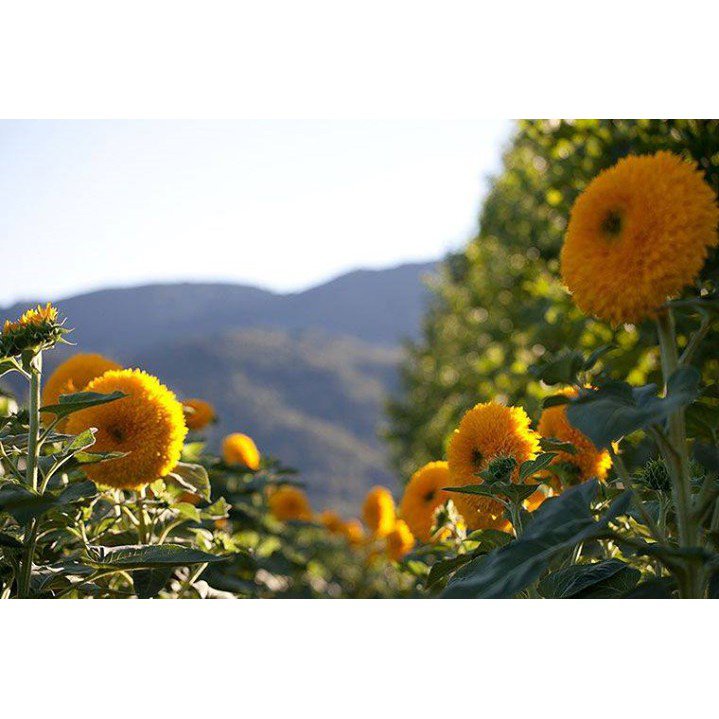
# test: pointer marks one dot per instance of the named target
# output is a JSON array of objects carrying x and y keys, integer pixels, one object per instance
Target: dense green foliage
[{"x": 499, "y": 305}]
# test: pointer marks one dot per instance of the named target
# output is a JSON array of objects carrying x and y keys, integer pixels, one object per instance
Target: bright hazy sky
[{"x": 278, "y": 204}]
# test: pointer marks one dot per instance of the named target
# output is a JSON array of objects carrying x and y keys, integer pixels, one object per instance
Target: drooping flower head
[
  {"x": 378, "y": 512},
  {"x": 36, "y": 330},
  {"x": 240, "y": 449},
  {"x": 147, "y": 424},
  {"x": 289, "y": 503},
  {"x": 487, "y": 432},
  {"x": 422, "y": 495},
  {"x": 637, "y": 235},
  {"x": 73, "y": 375},
  {"x": 400, "y": 541},
  {"x": 198, "y": 413},
  {"x": 588, "y": 460}
]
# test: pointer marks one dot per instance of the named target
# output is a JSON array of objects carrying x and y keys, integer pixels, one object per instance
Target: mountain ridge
[{"x": 304, "y": 373}]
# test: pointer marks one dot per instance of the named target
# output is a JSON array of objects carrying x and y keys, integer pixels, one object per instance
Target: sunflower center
[
  {"x": 477, "y": 458},
  {"x": 429, "y": 496},
  {"x": 116, "y": 433},
  {"x": 612, "y": 224}
]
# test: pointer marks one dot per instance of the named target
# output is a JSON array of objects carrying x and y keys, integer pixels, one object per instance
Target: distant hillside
[{"x": 306, "y": 374}]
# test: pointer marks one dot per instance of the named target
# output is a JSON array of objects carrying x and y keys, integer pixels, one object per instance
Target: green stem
[
  {"x": 31, "y": 473},
  {"x": 142, "y": 528},
  {"x": 678, "y": 459}
]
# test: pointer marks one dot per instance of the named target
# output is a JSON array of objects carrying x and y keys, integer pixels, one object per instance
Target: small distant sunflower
[
  {"x": 486, "y": 432},
  {"x": 73, "y": 375},
  {"x": 637, "y": 235},
  {"x": 240, "y": 449},
  {"x": 332, "y": 521},
  {"x": 289, "y": 503},
  {"x": 200, "y": 414},
  {"x": 148, "y": 425},
  {"x": 400, "y": 541},
  {"x": 37, "y": 329},
  {"x": 352, "y": 530},
  {"x": 378, "y": 512},
  {"x": 589, "y": 461},
  {"x": 422, "y": 495}
]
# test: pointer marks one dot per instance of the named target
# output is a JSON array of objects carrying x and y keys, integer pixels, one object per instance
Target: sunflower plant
[
  {"x": 617, "y": 491},
  {"x": 92, "y": 482}
]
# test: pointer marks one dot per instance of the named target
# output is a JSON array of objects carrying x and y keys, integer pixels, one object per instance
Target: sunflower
[
  {"x": 148, "y": 425},
  {"x": 637, "y": 235},
  {"x": 73, "y": 375},
  {"x": 487, "y": 431},
  {"x": 378, "y": 512},
  {"x": 353, "y": 532},
  {"x": 288, "y": 503},
  {"x": 422, "y": 495},
  {"x": 400, "y": 541},
  {"x": 240, "y": 449},
  {"x": 36, "y": 329},
  {"x": 198, "y": 413},
  {"x": 332, "y": 521},
  {"x": 588, "y": 460}
]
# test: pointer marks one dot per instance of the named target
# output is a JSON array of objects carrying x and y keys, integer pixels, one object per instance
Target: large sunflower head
[
  {"x": 240, "y": 449},
  {"x": 73, "y": 375},
  {"x": 378, "y": 512},
  {"x": 422, "y": 495},
  {"x": 36, "y": 330},
  {"x": 487, "y": 432},
  {"x": 399, "y": 540},
  {"x": 289, "y": 503},
  {"x": 198, "y": 413},
  {"x": 637, "y": 235},
  {"x": 148, "y": 425},
  {"x": 588, "y": 460}
]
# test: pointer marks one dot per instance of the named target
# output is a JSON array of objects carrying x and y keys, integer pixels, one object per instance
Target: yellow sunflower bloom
[
  {"x": 240, "y": 449},
  {"x": 287, "y": 503},
  {"x": 486, "y": 432},
  {"x": 73, "y": 375},
  {"x": 36, "y": 329},
  {"x": 378, "y": 512},
  {"x": 400, "y": 541},
  {"x": 589, "y": 461},
  {"x": 198, "y": 413},
  {"x": 148, "y": 425},
  {"x": 637, "y": 235},
  {"x": 332, "y": 521},
  {"x": 352, "y": 530},
  {"x": 422, "y": 495}
]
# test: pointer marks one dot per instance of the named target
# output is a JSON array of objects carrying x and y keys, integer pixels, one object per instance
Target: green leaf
[
  {"x": 596, "y": 356},
  {"x": 558, "y": 525},
  {"x": 555, "y": 400},
  {"x": 83, "y": 457},
  {"x": 532, "y": 466},
  {"x": 7, "y": 541},
  {"x": 444, "y": 567},
  {"x": 515, "y": 492},
  {"x": 192, "y": 478},
  {"x": 662, "y": 588},
  {"x": 608, "y": 579},
  {"x": 70, "y": 403},
  {"x": 560, "y": 369},
  {"x": 548, "y": 444},
  {"x": 150, "y": 582},
  {"x": 24, "y": 505},
  {"x": 81, "y": 441},
  {"x": 144, "y": 556},
  {"x": 616, "y": 409}
]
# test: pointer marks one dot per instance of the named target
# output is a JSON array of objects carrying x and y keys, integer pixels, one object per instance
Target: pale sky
[{"x": 278, "y": 204}]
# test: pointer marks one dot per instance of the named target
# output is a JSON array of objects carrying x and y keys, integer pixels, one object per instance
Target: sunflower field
[{"x": 556, "y": 436}]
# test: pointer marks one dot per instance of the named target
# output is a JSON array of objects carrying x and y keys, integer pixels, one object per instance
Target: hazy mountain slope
[{"x": 306, "y": 374}]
